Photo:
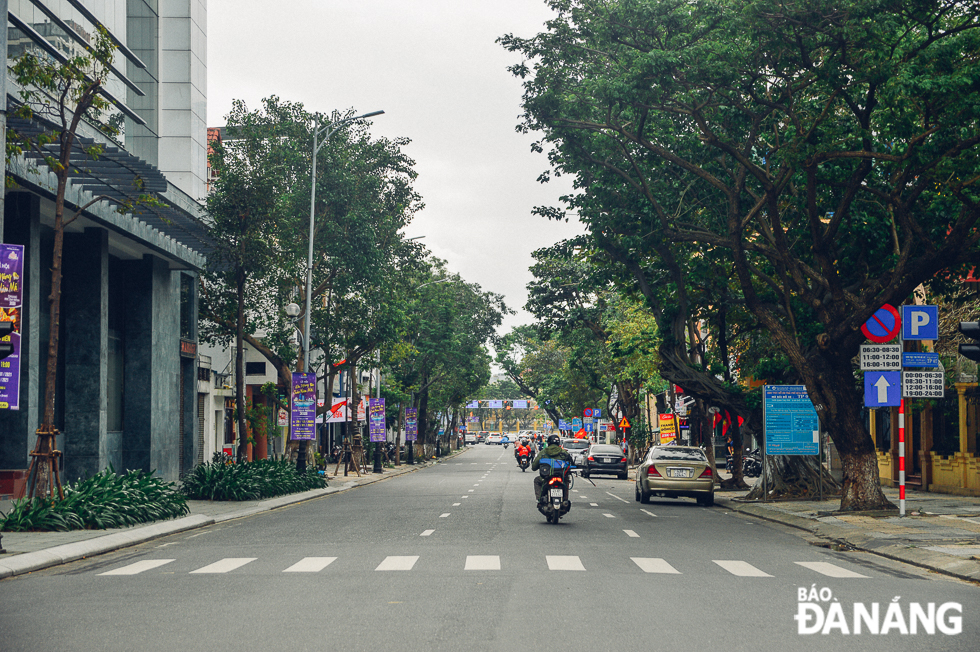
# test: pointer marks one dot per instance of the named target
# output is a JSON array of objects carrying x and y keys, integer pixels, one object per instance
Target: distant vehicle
[
  {"x": 495, "y": 439},
  {"x": 470, "y": 438},
  {"x": 482, "y": 436},
  {"x": 605, "y": 459},
  {"x": 576, "y": 448},
  {"x": 674, "y": 471}
]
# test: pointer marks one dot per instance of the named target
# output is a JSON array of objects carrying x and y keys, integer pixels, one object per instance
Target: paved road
[{"x": 456, "y": 557}]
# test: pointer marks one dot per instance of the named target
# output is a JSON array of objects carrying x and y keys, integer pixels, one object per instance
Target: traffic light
[
  {"x": 6, "y": 346},
  {"x": 972, "y": 330}
]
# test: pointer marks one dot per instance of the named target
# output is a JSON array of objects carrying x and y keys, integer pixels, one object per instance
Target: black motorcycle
[
  {"x": 752, "y": 463},
  {"x": 523, "y": 461},
  {"x": 557, "y": 475}
]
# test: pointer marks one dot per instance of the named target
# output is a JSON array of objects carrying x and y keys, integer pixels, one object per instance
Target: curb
[
  {"x": 964, "y": 569},
  {"x": 29, "y": 562}
]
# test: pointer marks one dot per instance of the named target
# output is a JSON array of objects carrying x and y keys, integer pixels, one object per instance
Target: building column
[
  {"x": 152, "y": 363},
  {"x": 85, "y": 328}
]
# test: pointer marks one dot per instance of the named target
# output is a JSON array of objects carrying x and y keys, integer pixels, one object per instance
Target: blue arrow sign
[{"x": 882, "y": 388}]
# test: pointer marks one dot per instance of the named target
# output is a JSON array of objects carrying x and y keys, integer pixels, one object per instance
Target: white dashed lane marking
[
  {"x": 631, "y": 534},
  {"x": 828, "y": 569},
  {"x": 397, "y": 563},
  {"x": 427, "y": 533},
  {"x": 654, "y": 565},
  {"x": 609, "y": 516},
  {"x": 564, "y": 563},
  {"x": 310, "y": 565},
  {"x": 740, "y": 568},
  {"x": 138, "y": 567},
  {"x": 482, "y": 562},
  {"x": 225, "y": 565},
  {"x": 648, "y": 513},
  {"x": 446, "y": 515},
  {"x": 618, "y": 498}
]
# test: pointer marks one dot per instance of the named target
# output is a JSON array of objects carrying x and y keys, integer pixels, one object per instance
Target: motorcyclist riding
[
  {"x": 522, "y": 449},
  {"x": 552, "y": 451}
]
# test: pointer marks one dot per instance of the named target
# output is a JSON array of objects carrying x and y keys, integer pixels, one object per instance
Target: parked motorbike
[
  {"x": 752, "y": 463},
  {"x": 556, "y": 486},
  {"x": 523, "y": 461}
]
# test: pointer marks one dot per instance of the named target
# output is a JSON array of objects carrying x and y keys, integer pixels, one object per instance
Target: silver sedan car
[{"x": 674, "y": 471}]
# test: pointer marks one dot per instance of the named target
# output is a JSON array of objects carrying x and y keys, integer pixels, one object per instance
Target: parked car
[
  {"x": 674, "y": 471},
  {"x": 494, "y": 439},
  {"x": 605, "y": 459},
  {"x": 576, "y": 448}
]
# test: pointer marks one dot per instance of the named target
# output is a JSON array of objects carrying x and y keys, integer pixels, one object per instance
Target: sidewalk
[
  {"x": 940, "y": 532},
  {"x": 26, "y": 552}
]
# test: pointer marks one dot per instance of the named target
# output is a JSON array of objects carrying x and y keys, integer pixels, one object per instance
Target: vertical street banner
[
  {"x": 303, "y": 407},
  {"x": 668, "y": 428},
  {"x": 11, "y": 304},
  {"x": 411, "y": 424},
  {"x": 376, "y": 419}
]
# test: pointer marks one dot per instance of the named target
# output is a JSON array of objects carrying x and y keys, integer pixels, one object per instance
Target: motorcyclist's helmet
[{"x": 554, "y": 440}]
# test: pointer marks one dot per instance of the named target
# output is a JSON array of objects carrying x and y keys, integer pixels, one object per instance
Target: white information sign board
[
  {"x": 881, "y": 357},
  {"x": 922, "y": 384}
]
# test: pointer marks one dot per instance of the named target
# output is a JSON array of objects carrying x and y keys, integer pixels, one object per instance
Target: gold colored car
[{"x": 674, "y": 471}]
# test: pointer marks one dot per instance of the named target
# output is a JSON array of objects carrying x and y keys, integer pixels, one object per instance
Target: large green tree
[{"x": 829, "y": 149}]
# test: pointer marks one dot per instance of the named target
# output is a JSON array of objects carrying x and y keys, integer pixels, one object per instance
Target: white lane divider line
[
  {"x": 446, "y": 515},
  {"x": 310, "y": 565},
  {"x": 464, "y": 496},
  {"x": 828, "y": 569},
  {"x": 469, "y": 491},
  {"x": 740, "y": 568},
  {"x": 393, "y": 563},
  {"x": 649, "y": 513},
  {"x": 594, "y": 504},
  {"x": 427, "y": 533},
  {"x": 574, "y": 491},
  {"x": 618, "y": 498},
  {"x": 477, "y": 484},
  {"x": 564, "y": 563},
  {"x": 609, "y": 516},
  {"x": 473, "y": 463},
  {"x": 631, "y": 534},
  {"x": 457, "y": 504},
  {"x": 482, "y": 562},
  {"x": 225, "y": 565},
  {"x": 138, "y": 567},
  {"x": 654, "y": 565}
]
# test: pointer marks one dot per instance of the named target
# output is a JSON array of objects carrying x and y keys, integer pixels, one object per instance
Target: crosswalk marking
[
  {"x": 828, "y": 569},
  {"x": 654, "y": 565},
  {"x": 393, "y": 563},
  {"x": 138, "y": 567},
  {"x": 310, "y": 565},
  {"x": 564, "y": 563},
  {"x": 427, "y": 533},
  {"x": 486, "y": 563},
  {"x": 225, "y": 565},
  {"x": 482, "y": 562},
  {"x": 740, "y": 568},
  {"x": 631, "y": 534}
]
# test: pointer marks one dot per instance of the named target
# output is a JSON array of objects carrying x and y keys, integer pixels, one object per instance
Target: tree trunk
[
  {"x": 794, "y": 476},
  {"x": 240, "y": 363},
  {"x": 51, "y": 374}
]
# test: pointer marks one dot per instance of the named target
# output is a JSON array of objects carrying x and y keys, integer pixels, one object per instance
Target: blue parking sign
[{"x": 920, "y": 322}]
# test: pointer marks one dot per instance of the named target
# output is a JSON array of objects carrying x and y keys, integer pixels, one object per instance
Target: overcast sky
[{"x": 434, "y": 68}]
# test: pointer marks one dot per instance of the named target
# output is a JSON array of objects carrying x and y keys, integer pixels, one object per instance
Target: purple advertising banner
[
  {"x": 376, "y": 419},
  {"x": 11, "y": 303},
  {"x": 303, "y": 409},
  {"x": 411, "y": 424}
]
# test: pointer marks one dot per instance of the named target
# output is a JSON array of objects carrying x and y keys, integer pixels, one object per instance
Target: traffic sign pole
[{"x": 901, "y": 458}]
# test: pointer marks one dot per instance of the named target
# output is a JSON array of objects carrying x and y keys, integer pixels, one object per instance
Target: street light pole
[{"x": 330, "y": 129}]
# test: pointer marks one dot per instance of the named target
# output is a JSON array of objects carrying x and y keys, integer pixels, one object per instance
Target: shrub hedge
[
  {"x": 219, "y": 479},
  {"x": 105, "y": 500}
]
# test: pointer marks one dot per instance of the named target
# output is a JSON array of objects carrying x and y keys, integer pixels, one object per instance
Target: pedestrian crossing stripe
[{"x": 652, "y": 565}]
